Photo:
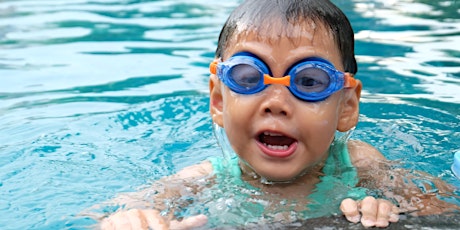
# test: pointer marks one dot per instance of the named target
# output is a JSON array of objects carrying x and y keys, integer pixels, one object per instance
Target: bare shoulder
[{"x": 363, "y": 154}]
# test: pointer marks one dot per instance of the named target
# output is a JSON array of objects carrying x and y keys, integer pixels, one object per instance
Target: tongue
[
  {"x": 276, "y": 140},
  {"x": 277, "y": 146}
]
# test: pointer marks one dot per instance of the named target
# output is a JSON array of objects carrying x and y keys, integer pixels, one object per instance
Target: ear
[
  {"x": 216, "y": 100},
  {"x": 349, "y": 114}
]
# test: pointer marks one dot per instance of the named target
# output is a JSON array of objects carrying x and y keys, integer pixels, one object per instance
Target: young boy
[{"x": 282, "y": 83}]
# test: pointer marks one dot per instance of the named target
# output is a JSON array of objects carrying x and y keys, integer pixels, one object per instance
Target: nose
[{"x": 278, "y": 101}]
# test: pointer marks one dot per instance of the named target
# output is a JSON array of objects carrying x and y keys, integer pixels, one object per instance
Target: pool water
[{"x": 102, "y": 97}]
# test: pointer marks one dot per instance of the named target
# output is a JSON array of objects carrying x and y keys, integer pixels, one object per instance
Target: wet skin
[{"x": 300, "y": 132}]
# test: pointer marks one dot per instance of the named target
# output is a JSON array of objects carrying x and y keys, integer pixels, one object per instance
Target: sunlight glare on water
[{"x": 102, "y": 97}]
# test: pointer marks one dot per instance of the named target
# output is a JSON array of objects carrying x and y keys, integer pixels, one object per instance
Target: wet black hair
[{"x": 256, "y": 15}]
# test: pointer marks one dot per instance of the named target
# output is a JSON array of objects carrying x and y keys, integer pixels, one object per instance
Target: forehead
[{"x": 279, "y": 41}]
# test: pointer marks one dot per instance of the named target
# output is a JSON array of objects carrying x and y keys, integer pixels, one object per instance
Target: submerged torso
[{"x": 335, "y": 182}]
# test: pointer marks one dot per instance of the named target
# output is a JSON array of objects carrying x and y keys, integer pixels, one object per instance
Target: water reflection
[
  {"x": 414, "y": 48},
  {"x": 100, "y": 96}
]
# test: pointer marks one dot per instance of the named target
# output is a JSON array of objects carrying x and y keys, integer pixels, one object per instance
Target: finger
[
  {"x": 190, "y": 222},
  {"x": 384, "y": 212},
  {"x": 349, "y": 208},
  {"x": 154, "y": 219},
  {"x": 369, "y": 209},
  {"x": 394, "y": 217}
]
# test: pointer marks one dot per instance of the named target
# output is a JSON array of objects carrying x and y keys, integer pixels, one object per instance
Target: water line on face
[
  {"x": 343, "y": 137},
  {"x": 224, "y": 144}
]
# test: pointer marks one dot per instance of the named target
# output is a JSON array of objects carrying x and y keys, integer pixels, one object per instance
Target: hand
[
  {"x": 148, "y": 219},
  {"x": 370, "y": 211}
]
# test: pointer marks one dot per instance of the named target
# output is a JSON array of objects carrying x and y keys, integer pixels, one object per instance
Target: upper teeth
[{"x": 272, "y": 134}]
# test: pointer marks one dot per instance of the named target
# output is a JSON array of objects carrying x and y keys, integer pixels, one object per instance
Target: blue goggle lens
[
  {"x": 312, "y": 79},
  {"x": 245, "y": 75}
]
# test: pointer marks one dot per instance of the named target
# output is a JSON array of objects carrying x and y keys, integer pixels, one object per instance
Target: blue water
[{"x": 101, "y": 97}]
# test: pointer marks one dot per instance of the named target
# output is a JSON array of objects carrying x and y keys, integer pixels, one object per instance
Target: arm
[
  {"x": 376, "y": 173},
  {"x": 141, "y": 214},
  {"x": 369, "y": 211}
]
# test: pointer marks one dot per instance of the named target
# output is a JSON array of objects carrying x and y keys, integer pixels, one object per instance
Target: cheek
[
  {"x": 237, "y": 116},
  {"x": 328, "y": 118},
  {"x": 320, "y": 119},
  {"x": 237, "y": 131},
  {"x": 326, "y": 129},
  {"x": 231, "y": 111},
  {"x": 238, "y": 108}
]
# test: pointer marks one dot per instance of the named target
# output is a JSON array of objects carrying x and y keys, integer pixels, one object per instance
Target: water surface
[{"x": 101, "y": 97}]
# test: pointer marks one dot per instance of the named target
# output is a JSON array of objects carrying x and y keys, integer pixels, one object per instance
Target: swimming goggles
[{"x": 312, "y": 79}]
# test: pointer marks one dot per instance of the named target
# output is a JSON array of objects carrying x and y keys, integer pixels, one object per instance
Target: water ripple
[
  {"x": 422, "y": 38},
  {"x": 101, "y": 96}
]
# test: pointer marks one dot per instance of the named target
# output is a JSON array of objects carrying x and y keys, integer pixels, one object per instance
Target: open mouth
[{"x": 276, "y": 144}]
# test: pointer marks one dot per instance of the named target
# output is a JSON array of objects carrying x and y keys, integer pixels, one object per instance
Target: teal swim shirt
[{"x": 338, "y": 182}]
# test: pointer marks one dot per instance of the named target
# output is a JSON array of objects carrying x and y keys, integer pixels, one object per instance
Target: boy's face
[{"x": 278, "y": 135}]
